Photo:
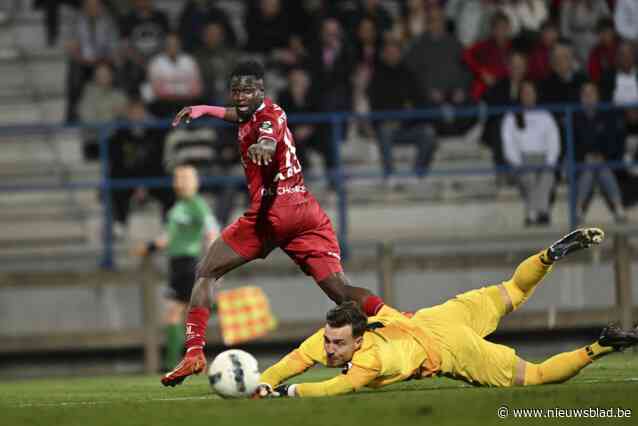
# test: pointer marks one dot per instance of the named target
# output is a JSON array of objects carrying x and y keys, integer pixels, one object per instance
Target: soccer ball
[{"x": 234, "y": 374}]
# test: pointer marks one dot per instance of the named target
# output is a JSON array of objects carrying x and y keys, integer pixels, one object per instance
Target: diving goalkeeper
[{"x": 447, "y": 339}]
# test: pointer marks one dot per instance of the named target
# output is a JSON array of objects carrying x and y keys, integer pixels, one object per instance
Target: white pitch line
[{"x": 84, "y": 403}]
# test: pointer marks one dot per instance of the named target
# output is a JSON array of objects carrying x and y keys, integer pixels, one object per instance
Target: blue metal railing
[{"x": 338, "y": 175}]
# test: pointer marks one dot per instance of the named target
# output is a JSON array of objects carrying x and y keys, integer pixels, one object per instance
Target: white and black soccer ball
[{"x": 234, "y": 374}]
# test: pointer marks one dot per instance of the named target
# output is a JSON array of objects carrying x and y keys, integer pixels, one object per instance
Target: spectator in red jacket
[
  {"x": 539, "y": 58},
  {"x": 488, "y": 59},
  {"x": 603, "y": 56}
]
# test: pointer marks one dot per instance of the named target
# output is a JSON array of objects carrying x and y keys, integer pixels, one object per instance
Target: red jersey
[{"x": 282, "y": 179}]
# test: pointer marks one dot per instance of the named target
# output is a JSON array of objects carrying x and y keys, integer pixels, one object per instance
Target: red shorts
[{"x": 303, "y": 231}]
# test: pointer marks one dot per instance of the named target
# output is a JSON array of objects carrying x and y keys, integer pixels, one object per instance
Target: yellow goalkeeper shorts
[{"x": 459, "y": 326}]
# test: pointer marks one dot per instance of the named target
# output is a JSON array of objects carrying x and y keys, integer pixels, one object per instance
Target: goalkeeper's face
[{"x": 340, "y": 345}]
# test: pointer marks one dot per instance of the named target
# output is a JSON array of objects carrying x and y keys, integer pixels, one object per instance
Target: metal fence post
[
  {"x": 571, "y": 165},
  {"x": 385, "y": 271},
  {"x": 337, "y": 177},
  {"x": 105, "y": 187}
]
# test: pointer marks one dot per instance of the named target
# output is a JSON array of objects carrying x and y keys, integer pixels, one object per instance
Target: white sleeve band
[{"x": 292, "y": 390}]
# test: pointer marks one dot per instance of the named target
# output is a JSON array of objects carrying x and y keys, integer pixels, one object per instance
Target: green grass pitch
[{"x": 141, "y": 400}]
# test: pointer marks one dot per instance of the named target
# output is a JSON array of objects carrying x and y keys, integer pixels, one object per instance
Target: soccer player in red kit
[{"x": 282, "y": 213}]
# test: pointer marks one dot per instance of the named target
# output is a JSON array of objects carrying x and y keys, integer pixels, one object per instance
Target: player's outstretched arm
[{"x": 193, "y": 112}]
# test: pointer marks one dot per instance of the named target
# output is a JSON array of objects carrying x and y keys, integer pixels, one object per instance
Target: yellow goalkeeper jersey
[{"x": 396, "y": 350}]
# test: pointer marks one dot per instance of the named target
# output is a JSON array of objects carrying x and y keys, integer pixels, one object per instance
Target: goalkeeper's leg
[
  {"x": 566, "y": 365},
  {"x": 532, "y": 270}
]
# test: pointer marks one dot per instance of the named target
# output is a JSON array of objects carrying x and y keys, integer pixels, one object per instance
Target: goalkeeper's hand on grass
[{"x": 264, "y": 390}]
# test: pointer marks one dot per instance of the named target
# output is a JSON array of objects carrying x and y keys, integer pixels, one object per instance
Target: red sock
[
  {"x": 196, "y": 322},
  {"x": 372, "y": 305}
]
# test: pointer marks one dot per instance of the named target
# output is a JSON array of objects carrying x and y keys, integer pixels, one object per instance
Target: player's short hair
[
  {"x": 248, "y": 68},
  {"x": 348, "y": 313}
]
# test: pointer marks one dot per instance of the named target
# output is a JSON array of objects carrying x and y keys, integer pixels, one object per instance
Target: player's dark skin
[{"x": 247, "y": 94}]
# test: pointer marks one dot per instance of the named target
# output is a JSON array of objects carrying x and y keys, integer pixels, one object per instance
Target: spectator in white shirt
[
  {"x": 620, "y": 85},
  {"x": 525, "y": 15},
  {"x": 174, "y": 80},
  {"x": 531, "y": 144},
  {"x": 93, "y": 40},
  {"x": 626, "y": 19}
]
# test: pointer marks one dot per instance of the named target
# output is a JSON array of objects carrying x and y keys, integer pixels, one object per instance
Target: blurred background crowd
[{"x": 131, "y": 59}]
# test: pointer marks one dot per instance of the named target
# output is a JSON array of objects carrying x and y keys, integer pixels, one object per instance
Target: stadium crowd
[{"x": 131, "y": 59}]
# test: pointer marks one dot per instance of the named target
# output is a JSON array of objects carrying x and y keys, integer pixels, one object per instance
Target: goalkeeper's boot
[
  {"x": 194, "y": 362},
  {"x": 617, "y": 338},
  {"x": 574, "y": 241}
]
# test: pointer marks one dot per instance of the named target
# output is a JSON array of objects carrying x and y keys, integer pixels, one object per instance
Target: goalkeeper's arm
[
  {"x": 296, "y": 362},
  {"x": 356, "y": 378}
]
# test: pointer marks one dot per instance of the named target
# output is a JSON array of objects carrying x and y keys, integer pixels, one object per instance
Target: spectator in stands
[
  {"x": 193, "y": 19},
  {"x": 100, "y": 103},
  {"x": 307, "y": 16},
  {"x": 367, "y": 48},
  {"x": 215, "y": 57},
  {"x": 52, "y": 16},
  {"x": 435, "y": 59},
  {"x": 578, "y": 24},
  {"x": 531, "y": 141},
  {"x": 93, "y": 39},
  {"x": 297, "y": 99},
  {"x": 136, "y": 152},
  {"x": 620, "y": 85},
  {"x": 603, "y": 56},
  {"x": 564, "y": 82},
  {"x": 372, "y": 9},
  {"x": 392, "y": 88},
  {"x": 413, "y": 20},
  {"x": 526, "y": 16},
  {"x": 471, "y": 18},
  {"x": 626, "y": 19},
  {"x": 268, "y": 26},
  {"x": 506, "y": 92},
  {"x": 143, "y": 32},
  {"x": 598, "y": 138},
  {"x": 332, "y": 62},
  {"x": 366, "y": 43},
  {"x": 174, "y": 80},
  {"x": 488, "y": 59},
  {"x": 540, "y": 54}
]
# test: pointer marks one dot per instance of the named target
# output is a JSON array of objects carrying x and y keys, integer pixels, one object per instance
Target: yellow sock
[
  {"x": 557, "y": 368},
  {"x": 525, "y": 279}
]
